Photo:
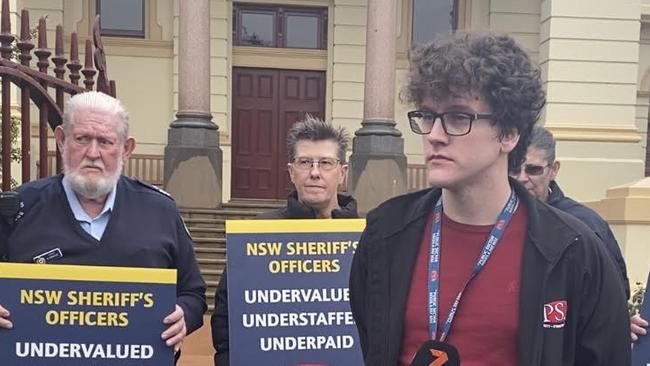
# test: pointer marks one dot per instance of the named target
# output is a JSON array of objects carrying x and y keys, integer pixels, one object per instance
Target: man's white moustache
[{"x": 93, "y": 165}]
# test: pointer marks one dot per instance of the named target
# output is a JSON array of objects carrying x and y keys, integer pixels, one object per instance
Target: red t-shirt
[{"x": 485, "y": 328}]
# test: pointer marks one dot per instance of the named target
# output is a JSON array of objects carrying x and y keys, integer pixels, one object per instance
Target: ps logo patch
[{"x": 555, "y": 314}]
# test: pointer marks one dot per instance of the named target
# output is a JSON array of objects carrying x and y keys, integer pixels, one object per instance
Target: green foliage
[
  {"x": 634, "y": 304},
  {"x": 14, "y": 45},
  {"x": 14, "y": 49}
]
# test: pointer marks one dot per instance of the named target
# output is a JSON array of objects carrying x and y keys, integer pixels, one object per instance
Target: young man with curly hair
[{"x": 476, "y": 263}]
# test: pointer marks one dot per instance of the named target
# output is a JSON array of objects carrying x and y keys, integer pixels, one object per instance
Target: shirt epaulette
[
  {"x": 154, "y": 188},
  {"x": 165, "y": 193}
]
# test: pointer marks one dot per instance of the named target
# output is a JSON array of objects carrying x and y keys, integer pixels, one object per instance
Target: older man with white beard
[{"x": 92, "y": 215}]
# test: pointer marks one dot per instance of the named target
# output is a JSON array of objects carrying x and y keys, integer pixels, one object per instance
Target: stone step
[
  {"x": 212, "y": 273},
  {"x": 236, "y": 215},
  {"x": 205, "y": 250},
  {"x": 210, "y": 257},
  {"x": 207, "y": 232},
  {"x": 208, "y": 241},
  {"x": 211, "y": 261},
  {"x": 226, "y": 213},
  {"x": 211, "y": 278},
  {"x": 221, "y": 229},
  {"x": 254, "y": 204},
  {"x": 210, "y": 252},
  {"x": 202, "y": 222}
]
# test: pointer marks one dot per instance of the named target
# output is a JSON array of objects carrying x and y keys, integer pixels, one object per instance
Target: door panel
[
  {"x": 303, "y": 93},
  {"x": 254, "y": 120},
  {"x": 266, "y": 103}
]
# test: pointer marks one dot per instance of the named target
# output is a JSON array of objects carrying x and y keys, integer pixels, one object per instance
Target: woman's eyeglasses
[{"x": 324, "y": 164}]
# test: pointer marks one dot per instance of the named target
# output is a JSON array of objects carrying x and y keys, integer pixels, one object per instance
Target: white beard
[{"x": 89, "y": 188}]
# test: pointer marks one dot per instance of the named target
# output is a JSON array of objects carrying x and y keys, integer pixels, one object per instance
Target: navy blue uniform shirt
[{"x": 145, "y": 230}]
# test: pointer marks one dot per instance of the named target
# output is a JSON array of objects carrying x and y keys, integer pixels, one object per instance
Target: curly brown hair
[{"x": 493, "y": 65}]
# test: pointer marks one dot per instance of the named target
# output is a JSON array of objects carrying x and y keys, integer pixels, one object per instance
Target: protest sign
[
  {"x": 641, "y": 350},
  {"x": 83, "y": 315},
  {"x": 288, "y": 292}
]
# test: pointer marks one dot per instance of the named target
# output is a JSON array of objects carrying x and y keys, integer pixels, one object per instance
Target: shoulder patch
[{"x": 154, "y": 188}]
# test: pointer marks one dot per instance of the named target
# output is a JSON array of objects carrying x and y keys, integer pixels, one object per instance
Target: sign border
[
  {"x": 64, "y": 272},
  {"x": 295, "y": 226}
]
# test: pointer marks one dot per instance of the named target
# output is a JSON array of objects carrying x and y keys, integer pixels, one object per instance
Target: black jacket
[
  {"x": 557, "y": 199},
  {"x": 562, "y": 259},
  {"x": 294, "y": 210}
]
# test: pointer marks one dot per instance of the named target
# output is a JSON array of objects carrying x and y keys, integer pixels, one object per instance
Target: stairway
[{"x": 208, "y": 230}]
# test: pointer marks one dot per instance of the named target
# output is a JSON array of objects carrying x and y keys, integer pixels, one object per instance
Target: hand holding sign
[
  {"x": 4, "y": 318},
  {"x": 638, "y": 327},
  {"x": 177, "y": 331}
]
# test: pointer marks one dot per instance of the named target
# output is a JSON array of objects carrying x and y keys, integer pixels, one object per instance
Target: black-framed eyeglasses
[
  {"x": 324, "y": 164},
  {"x": 453, "y": 123},
  {"x": 530, "y": 169}
]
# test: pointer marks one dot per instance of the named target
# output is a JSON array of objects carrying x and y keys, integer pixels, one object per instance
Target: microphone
[{"x": 434, "y": 353}]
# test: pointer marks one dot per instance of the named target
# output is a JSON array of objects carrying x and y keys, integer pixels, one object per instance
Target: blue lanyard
[{"x": 434, "y": 263}]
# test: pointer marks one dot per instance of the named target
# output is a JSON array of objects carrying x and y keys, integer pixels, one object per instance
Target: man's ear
[
  {"x": 555, "y": 168},
  {"x": 344, "y": 173},
  {"x": 129, "y": 146},
  {"x": 59, "y": 136},
  {"x": 509, "y": 141}
]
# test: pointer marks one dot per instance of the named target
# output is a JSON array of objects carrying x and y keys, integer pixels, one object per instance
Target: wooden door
[
  {"x": 266, "y": 103},
  {"x": 254, "y": 123}
]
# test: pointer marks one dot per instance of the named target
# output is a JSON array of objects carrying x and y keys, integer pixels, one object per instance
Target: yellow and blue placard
[
  {"x": 288, "y": 295},
  {"x": 84, "y": 315}
]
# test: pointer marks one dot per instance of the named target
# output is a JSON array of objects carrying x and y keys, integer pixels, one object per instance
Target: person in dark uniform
[
  {"x": 537, "y": 174},
  {"x": 92, "y": 215},
  {"x": 317, "y": 167}
]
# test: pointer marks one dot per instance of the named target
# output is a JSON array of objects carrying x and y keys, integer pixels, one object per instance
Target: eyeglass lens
[{"x": 531, "y": 169}]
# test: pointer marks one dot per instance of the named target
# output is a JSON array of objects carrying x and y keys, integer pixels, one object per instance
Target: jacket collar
[
  {"x": 422, "y": 207},
  {"x": 555, "y": 194},
  {"x": 548, "y": 229},
  {"x": 298, "y": 210}
]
